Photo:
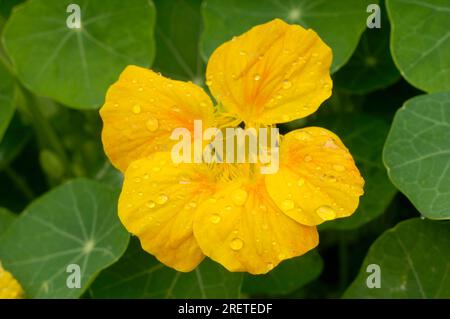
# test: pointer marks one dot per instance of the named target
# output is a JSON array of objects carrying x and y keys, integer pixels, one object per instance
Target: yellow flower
[
  {"x": 9, "y": 287},
  {"x": 233, "y": 214}
]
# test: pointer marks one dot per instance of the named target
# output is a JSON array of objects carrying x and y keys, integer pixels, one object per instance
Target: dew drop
[
  {"x": 338, "y": 168},
  {"x": 300, "y": 182},
  {"x": 330, "y": 144},
  {"x": 308, "y": 158},
  {"x": 239, "y": 196},
  {"x": 257, "y": 77},
  {"x": 136, "y": 109},
  {"x": 286, "y": 84},
  {"x": 326, "y": 212},
  {"x": 162, "y": 199},
  {"x": 269, "y": 266},
  {"x": 140, "y": 89},
  {"x": 116, "y": 105},
  {"x": 150, "y": 204},
  {"x": 228, "y": 207},
  {"x": 287, "y": 204},
  {"x": 152, "y": 124},
  {"x": 193, "y": 204},
  {"x": 236, "y": 244},
  {"x": 215, "y": 219},
  {"x": 303, "y": 136},
  {"x": 137, "y": 180}
]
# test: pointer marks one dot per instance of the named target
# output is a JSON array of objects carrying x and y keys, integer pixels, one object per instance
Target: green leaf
[
  {"x": 6, "y": 219},
  {"x": 76, "y": 66},
  {"x": 371, "y": 66},
  {"x": 364, "y": 135},
  {"x": 139, "y": 275},
  {"x": 177, "y": 36},
  {"x": 339, "y": 23},
  {"x": 7, "y": 104},
  {"x": 420, "y": 42},
  {"x": 75, "y": 223},
  {"x": 417, "y": 153},
  {"x": 414, "y": 260},
  {"x": 286, "y": 277}
]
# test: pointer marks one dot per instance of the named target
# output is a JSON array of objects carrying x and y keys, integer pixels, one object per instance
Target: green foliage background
[{"x": 390, "y": 105}]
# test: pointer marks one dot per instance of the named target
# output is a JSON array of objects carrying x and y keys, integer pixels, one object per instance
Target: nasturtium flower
[
  {"x": 9, "y": 286},
  {"x": 232, "y": 213}
]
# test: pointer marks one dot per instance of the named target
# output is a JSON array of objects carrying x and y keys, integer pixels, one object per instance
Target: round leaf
[
  {"x": 339, "y": 23},
  {"x": 6, "y": 219},
  {"x": 139, "y": 275},
  {"x": 75, "y": 66},
  {"x": 417, "y": 153},
  {"x": 177, "y": 35},
  {"x": 75, "y": 223},
  {"x": 7, "y": 105},
  {"x": 371, "y": 66},
  {"x": 414, "y": 262},
  {"x": 420, "y": 42}
]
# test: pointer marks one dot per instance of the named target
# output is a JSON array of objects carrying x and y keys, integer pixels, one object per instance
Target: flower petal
[
  {"x": 157, "y": 204},
  {"x": 9, "y": 286},
  {"x": 273, "y": 73},
  {"x": 141, "y": 110},
  {"x": 317, "y": 179},
  {"x": 241, "y": 228}
]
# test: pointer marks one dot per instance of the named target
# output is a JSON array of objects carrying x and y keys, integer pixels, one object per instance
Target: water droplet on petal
[
  {"x": 136, "y": 109},
  {"x": 236, "y": 244},
  {"x": 326, "y": 212},
  {"x": 287, "y": 204},
  {"x": 330, "y": 144},
  {"x": 150, "y": 204},
  {"x": 137, "y": 180},
  {"x": 152, "y": 124},
  {"x": 162, "y": 199},
  {"x": 269, "y": 266},
  {"x": 257, "y": 77},
  {"x": 215, "y": 219},
  {"x": 303, "y": 136},
  {"x": 286, "y": 84},
  {"x": 308, "y": 158},
  {"x": 193, "y": 204},
  {"x": 239, "y": 196},
  {"x": 338, "y": 168},
  {"x": 300, "y": 182}
]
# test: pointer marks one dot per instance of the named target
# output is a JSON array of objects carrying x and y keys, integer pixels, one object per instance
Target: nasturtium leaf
[
  {"x": 338, "y": 23},
  {"x": 371, "y": 66},
  {"x": 420, "y": 42},
  {"x": 177, "y": 36},
  {"x": 7, "y": 103},
  {"x": 139, "y": 275},
  {"x": 413, "y": 259},
  {"x": 364, "y": 135},
  {"x": 6, "y": 219},
  {"x": 75, "y": 223},
  {"x": 286, "y": 277},
  {"x": 75, "y": 66},
  {"x": 417, "y": 153}
]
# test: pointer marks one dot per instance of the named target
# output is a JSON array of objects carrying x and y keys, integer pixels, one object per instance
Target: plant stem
[
  {"x": 20, "y": 183},
  {"x": 43, "y": 128}
]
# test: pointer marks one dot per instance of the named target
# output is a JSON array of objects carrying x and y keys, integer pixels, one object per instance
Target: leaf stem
[
  {"x": 20, "y": 183},
  {"x": 44, "y": 130}
]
